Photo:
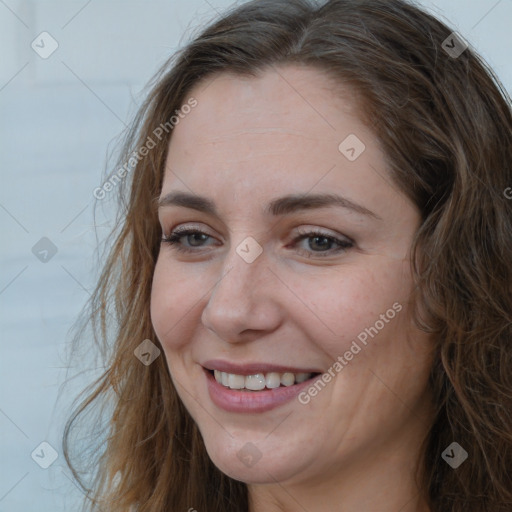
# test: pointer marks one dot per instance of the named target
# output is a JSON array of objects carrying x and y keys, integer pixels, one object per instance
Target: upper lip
[{"x": 253, "y": 368}]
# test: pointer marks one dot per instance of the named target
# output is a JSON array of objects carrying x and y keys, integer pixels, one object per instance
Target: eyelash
[{"x": 174, "y": 238}]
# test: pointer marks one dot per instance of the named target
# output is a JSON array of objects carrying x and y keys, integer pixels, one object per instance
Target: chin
[{"x": 245, "y": 462}]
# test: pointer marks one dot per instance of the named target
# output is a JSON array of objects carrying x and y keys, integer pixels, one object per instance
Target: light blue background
[{"x": 57, "y": 118}]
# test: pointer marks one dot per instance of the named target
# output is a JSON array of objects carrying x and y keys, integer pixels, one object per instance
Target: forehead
[
  {"x": 301, "y": 100},
  {"x": 279, "y": 130}
]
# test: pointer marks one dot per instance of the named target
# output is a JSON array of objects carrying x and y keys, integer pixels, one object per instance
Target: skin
[{"x": 249, "y": 140}]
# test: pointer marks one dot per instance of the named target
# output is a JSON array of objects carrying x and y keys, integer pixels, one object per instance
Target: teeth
[
  {"x": 287, "y": 379},
  {"x": 259, "y": 381},
  {"x": 236, "y": 381},
  {"x": 272, "y": 380},
  {"x": 254, "y": 382},
  {"x": 301, "y": 377}
]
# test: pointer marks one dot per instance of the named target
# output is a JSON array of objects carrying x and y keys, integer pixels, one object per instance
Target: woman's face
[{"x": 302, "y": 284}]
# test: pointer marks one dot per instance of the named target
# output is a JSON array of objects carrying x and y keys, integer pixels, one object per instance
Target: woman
[{"x": 311, "y": 275}]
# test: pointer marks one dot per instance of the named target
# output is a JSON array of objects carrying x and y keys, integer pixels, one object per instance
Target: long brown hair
[{"x": 445, "y": 124}]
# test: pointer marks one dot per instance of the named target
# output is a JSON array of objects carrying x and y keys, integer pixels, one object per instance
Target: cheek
[
  {"x": 172, "y": 301},
  {"x": 344, "y": 303}
]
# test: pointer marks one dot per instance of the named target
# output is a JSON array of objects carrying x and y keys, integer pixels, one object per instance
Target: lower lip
[{"x": 252, "y": 401}]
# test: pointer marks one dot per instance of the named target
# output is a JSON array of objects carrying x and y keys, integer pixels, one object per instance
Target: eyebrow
[{"x": 280, "y": 206}]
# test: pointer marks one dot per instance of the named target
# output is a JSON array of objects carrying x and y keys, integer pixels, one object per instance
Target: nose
[{"x": 243, "y": 304}]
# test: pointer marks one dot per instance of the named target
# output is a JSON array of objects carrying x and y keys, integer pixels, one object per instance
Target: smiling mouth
[{"x": 259, "y": 381}]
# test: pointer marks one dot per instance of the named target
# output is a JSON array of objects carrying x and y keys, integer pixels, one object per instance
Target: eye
[
  {"x": 191, "y": 234},
  {"x": 320, "y": 243}
]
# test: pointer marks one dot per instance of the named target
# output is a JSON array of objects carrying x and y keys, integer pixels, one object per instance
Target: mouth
[{"x": 256, "y": 392}]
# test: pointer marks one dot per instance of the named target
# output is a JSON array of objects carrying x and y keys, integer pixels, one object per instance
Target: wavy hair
[{"x": 445, "y": 125}]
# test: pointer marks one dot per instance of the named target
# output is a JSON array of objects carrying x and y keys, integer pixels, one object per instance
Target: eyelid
[
  {"x": 306, "y": 230},
  {"x": 184, "y": 228},
  {"x": 301, "y": 230}
]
